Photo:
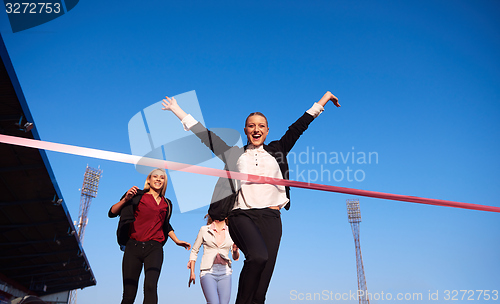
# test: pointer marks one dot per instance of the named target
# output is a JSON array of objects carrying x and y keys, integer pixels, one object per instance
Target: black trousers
[
  {"x": 257, "y": 232},
  {"x": 137, "y": 254}
]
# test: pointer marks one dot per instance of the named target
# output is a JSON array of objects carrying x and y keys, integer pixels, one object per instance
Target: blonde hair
[
  {"x": 164, "y": 188},
  {"x": 254, "y": 114}
]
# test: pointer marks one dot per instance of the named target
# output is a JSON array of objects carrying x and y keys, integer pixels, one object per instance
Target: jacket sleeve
[
  {"x": 211, "y": 140},
  {"x": 169, "y": 228},
  {"x": 111, "y": 214},
  {"x": 196, "y": 246},
  {"x": 295, "y": 130},
  {"x": 166, "y": 225}
]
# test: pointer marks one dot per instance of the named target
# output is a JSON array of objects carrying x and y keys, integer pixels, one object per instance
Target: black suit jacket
[{"x": 278, "y": 149}]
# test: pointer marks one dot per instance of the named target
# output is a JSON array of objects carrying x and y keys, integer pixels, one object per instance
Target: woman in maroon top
[{"x": 142, "y": 231}]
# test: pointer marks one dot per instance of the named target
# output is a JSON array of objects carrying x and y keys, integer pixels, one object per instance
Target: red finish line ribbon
[{"x": 144, "y": 161}]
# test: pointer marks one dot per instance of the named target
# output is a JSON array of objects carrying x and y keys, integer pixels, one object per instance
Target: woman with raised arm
[
  {"x": 215, "y": 267},
  {"x": 254, "y": 222},
  {"x": 143, "y": 229}
]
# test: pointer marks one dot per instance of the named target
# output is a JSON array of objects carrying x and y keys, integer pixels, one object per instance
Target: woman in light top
[
  {"x": 255, "y": 220},
  {"x": 215, "y": 267}
]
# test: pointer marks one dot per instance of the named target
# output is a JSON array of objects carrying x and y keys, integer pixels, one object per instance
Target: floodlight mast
[
  {"x": 354, "y": 217},
  {"x": 91, "y": 180},
  {"x": 90, "y": 185}
]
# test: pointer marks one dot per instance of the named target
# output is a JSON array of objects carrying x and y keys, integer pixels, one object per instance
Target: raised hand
[
  {"x": 116, "y": 208},
  {"x": 168, "y": 103},
  {"x": 131, "y": 193},
  {"x": 327, "y": 97}
]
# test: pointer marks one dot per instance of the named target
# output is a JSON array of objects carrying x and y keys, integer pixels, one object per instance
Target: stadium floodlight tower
[
  {"x": 88, "y": 192},
  {"x": 354, "y": 217}
]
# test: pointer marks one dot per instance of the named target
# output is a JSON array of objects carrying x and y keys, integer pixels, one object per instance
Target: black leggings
[
  {"x": 137, "y": 254},
  {"x": 257, "y": 232}
]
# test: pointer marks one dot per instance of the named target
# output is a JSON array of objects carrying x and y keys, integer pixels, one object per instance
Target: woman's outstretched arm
[
  {"x": 327, "y": 97},
  {"x": 170, "y": 104},
  {"x": 210, "y": 139},
  {"x": 296, "y": 129}
]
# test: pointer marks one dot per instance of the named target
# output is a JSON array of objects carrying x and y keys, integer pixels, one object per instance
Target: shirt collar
[
  {"x": 252, "y": 147},
  {"x": 212, "y": 226}
]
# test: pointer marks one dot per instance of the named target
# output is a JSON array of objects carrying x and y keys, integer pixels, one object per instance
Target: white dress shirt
[{"x": 258, "y": 161}]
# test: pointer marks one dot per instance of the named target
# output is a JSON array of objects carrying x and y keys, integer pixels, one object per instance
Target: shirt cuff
[
  {"x": 315, "y": 110},
  {"x": 188, "y": 122}
]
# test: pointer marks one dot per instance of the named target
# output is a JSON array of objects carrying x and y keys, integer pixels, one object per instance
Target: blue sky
[{"x": 419, "y": 85}]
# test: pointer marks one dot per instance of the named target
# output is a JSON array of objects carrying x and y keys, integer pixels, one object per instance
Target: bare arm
[
  {"x": 170, "y": 104},
  {"x": 210, "y": 139},
  {"x": 192, "y": 276},
  {"x": 174, "y": 238},
  {"x": 327, "y": 97},
  {"x": 118, "y": 206}
]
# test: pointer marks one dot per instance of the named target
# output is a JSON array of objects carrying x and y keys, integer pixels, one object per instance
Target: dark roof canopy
[{"x": 39, "y": 249}]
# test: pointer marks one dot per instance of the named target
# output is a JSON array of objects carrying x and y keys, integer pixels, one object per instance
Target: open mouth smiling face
[
  {"x": 256, "y": 130},
  {"x": 157, "y": 180}
]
